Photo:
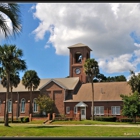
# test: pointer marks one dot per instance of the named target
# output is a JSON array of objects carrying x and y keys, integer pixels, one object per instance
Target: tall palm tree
[
  {"x": 14, "y": 81},
  {"x": 91, "y": 69},
  {"x": 12, "y": 12},
  {"x": 10, "y": 59},
  {"x": 31, "y": 81}
]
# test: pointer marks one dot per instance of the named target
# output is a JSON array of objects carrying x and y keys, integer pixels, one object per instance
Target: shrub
[
  {"x": 109, "y": 119},
  {"x": 126, "y": 120},
  {"x": 24, "y": 119}
]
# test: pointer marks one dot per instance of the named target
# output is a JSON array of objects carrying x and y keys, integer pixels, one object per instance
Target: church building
[{"x": 72, "y": 94}]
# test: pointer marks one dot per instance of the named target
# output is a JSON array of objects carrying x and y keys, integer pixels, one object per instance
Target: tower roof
[{"x": 79, "y": 45}]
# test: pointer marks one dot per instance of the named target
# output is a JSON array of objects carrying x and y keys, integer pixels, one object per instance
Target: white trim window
[
  {"x": 22, "y": 105},
  {"x": 75, "y": 110},
  {"x": 67, "y": 110},
  {"x": 9, "y": 106},
  {"x": 115, "y": 110},
  {"x": 98, "y": 110},
  {"x": 35, "y": 106}
]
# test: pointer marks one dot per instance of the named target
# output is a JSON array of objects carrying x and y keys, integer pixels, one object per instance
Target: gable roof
[
  {"x": 66, "y": 83},
  {"x": 107, "y": 91},
  {"x": 79, "y": 45}
]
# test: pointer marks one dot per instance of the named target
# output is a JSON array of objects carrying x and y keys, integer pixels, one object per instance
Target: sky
[{"x": 111, "y": 30}]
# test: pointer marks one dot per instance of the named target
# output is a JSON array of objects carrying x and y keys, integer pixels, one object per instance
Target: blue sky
[{"x": 112, "y": 31}]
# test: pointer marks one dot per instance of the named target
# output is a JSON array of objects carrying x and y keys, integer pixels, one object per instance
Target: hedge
[{"x": 108, "y": 119}]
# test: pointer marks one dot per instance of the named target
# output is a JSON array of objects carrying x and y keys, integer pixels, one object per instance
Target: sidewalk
[{"x": 26, "y": 124}]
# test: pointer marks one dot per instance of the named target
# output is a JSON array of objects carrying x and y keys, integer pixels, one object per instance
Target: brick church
[{"x": 72, "y": 94}]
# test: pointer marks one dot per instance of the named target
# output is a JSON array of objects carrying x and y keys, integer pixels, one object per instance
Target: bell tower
[{"x": 78, "y": 55}]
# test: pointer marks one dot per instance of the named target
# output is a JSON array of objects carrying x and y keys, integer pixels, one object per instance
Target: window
[
  {"x": 9, "y": 106},
  {"x": 78, "y": 57},
  {"x": 98, "y": 110},
  {"x": 67, "y": 110},
  {"x": 115, "y": 110},
  {"x": 75, "y": 110},
  {"x": 22, "y": 105},
  {"x": 35, "y": 106}
]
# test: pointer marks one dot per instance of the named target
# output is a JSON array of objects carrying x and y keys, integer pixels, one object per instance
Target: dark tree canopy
[
  {"x": 134, "y": 81},
  {"x": 45, "y": 103},
  {"x": 12, "y": 12},
  {"x": 131, "y": 105}
]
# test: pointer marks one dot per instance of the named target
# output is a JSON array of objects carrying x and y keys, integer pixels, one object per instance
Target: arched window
[
  {"x": 35, "y": 106},
  {"x": 22, "y": 105},
  {"x": 9, "y": 106},
  {"x": 78, "y": 57}
]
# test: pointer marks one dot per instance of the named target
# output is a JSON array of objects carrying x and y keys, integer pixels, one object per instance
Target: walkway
[{"x": 26, "y": 124}]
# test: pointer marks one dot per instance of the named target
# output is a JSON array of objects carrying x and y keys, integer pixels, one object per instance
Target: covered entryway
[{"x": 82, "y": 107}]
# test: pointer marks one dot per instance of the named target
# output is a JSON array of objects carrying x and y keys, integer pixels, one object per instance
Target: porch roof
[{"x": 81, "y": 104}]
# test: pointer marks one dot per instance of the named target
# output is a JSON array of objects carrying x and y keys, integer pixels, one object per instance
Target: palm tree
[
  {"x": 14, "y": 81},
  {"x": 12, "y": 12},
  {"x": 31, "y": 81},
  {"x": 10, "y": 59},
  {"x": 91, "y": 69}
]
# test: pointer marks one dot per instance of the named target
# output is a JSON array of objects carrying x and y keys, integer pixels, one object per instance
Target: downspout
[
  {"x": 17, "y": 105},
  {"x": 64, "y": 100},
  {"x": 65, "y": 95}
]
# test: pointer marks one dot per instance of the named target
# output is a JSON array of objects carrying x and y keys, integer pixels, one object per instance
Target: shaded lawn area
[{"x": 79, "y": 131}]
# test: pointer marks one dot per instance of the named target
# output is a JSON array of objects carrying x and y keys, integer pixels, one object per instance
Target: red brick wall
[
  {"x": 107, "y": 107},
  {"x": 73, "y": 65},
  {"x": 55, "y": 92}
]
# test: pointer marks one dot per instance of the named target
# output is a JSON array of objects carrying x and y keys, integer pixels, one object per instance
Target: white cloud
[
  {"x": 104, "y": 27},
  {"x": 117, "y": 64},
  {"x": 137, "y": 45}
]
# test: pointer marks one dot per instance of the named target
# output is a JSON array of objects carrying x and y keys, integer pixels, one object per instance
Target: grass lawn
[
  {"x": 81, "y": 131},
  {"x": 37, "y": 128},
  {"x": 84, "y": 122}
]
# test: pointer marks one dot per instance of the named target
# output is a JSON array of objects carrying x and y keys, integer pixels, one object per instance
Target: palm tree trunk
[
  {"x": 6, "y": 102},
  {"x": 12, "y": 105},
  {"x": 92, "y": 100},
  {"x": 31, "y": 100}
]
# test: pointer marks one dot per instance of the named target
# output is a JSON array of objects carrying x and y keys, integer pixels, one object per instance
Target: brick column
[
  {"x": 30, "y": 117},
  {"x": 53, "y": 118},
  {"x": 48, "y": 116}
]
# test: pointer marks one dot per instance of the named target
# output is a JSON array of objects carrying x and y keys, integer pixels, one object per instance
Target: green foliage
[
  {"x": 91, "y": 68},
  {"x": 31, "y": 80},
  {"x": 108, "y": 119},
  {"x": 126, "y": 120},
  {"x": 116, "y": 78},
  {"x": 24, "y": 119},
  {"x": 131, "y": 105},
  {"x": 101, "y": 78},
  {"x": 10, "y": 60},
  {"x": 45, "y": 103},
  {"x": 134, "y": 82},
  {"x": 12, "y": 11}
]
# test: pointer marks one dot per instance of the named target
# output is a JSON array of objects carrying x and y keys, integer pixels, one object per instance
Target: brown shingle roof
[
  {"x": 68, "y": 83},
  {"x": 107, "y": 91},
  {"x": 79, "y": 45}
]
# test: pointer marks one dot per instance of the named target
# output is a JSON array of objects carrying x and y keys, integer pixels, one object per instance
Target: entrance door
[{"x": 83, "y": 113}]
